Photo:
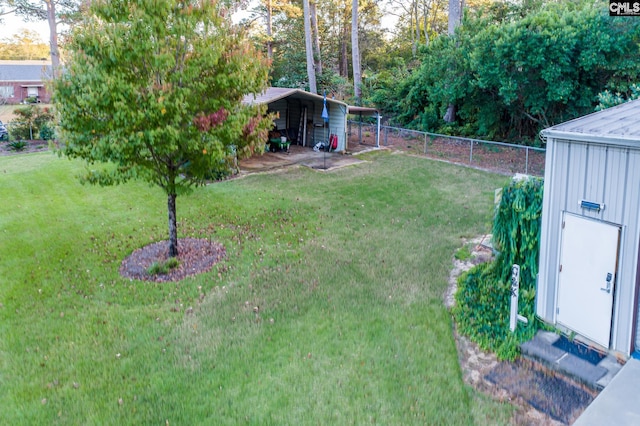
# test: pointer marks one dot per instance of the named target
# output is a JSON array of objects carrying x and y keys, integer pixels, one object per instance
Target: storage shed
[
  {"x": 300, "y": 115},
  {"x": 590, "y": 238}
]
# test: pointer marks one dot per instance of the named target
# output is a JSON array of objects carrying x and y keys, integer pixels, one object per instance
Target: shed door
[{"x": 588, "y": 263}]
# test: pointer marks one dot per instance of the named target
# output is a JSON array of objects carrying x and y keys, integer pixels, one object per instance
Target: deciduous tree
[{"x": 153, "y": 90}]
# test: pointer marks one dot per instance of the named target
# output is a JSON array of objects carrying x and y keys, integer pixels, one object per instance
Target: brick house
[{"x": 21, "y": 81}]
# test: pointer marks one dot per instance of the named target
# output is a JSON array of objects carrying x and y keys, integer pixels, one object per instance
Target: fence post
[
  {"x": 425, "y": 143},
  {"x": 526, "y": 164},
  {"x": 470, "y": 152}
]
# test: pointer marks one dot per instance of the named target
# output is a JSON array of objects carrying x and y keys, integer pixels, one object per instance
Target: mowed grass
[{"x": 326, "y": 310}]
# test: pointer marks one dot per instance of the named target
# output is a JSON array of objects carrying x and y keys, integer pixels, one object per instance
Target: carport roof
[
  {"x": 363, "y": 110},
  {"x": 619, "y": 125},
  {"x": 273, "y": 94}
]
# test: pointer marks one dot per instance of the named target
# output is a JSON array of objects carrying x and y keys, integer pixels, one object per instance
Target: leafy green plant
[
  {"x": 168, "y": 137},
  {"x": 163, "y": 268},
  {"x": 463, "y": 253},
  {"x": 17, "y": 145},
  {"x": 29, "y": 120},
  {"x": 47, "y": 132},
  {"x": 515, "y": 69},
  {"x": 482, "y": 301},
  {"x": 607, "y": 99}
]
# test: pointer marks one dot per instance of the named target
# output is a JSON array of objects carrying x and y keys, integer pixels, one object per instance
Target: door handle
[{"x": 607, "y": 289}]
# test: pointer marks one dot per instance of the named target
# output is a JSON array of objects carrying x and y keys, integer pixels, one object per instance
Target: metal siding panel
[
  {"x": 280, "y": 107},
  {"x": 558, "y": 168},
  {"x": 614, "y": 186},
  {"x": 595, "y": 176},
  {"x": 337, "y": 123},
  {"x": 577, "y": 170},
  {"x": 545, "y": 286},
  {"x": 632, "y": 208}
]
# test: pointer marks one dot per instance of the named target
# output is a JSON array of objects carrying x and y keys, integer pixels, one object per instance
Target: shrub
[
  {"x": 163, "y": 268},
  {"x": 47, "y": 132},
  {"x": 17, "y": 145},
  {"x": 483, "y": 296},
  {"x": 30, "y": 119}
]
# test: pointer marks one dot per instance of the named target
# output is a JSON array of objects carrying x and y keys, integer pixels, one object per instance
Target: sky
[{"x": 13, "y": 24}]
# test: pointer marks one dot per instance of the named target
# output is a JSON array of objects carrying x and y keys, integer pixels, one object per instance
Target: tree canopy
[
  {"x": 154, "y": 89},
  {"x": 25, "y": 45},
  {"x": 513, "y": 71}
]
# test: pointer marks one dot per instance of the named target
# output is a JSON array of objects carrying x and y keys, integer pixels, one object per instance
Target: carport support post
[{"x": 378, "y": 132}]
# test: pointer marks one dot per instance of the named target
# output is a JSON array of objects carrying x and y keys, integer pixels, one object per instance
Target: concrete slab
[
  {"x": 617, "y": 404},
  {"x": 541, "y": 349},
  {"x": 613, "y": 366},
  {"x": 581, "y": 369},
  {"x": 297, "y": 156}
]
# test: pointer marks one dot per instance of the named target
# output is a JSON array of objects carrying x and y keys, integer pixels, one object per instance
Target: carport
[
  {"x": 299, "y": 115},
  {"x": 366, "y": 112}
]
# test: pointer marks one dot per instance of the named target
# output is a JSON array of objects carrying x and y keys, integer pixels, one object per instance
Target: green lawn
[{"x": 347, "y": 270}]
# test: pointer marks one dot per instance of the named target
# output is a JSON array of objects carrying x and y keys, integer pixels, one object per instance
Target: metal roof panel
[
  {"x": 620, "y": 124},
  {"x": 273, "y": 94}
]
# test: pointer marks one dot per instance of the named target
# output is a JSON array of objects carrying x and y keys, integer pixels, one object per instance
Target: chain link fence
[{"x": 495, "y": 156}]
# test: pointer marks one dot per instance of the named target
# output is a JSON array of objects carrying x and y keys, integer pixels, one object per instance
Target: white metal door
[{"x": 588, "y": 263}]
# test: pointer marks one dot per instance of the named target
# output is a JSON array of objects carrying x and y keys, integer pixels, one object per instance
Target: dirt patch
[
  {"x": 195, "y": 255},
  {"x": 494, "y": 157},
  {"x": 541, "y": 396}
]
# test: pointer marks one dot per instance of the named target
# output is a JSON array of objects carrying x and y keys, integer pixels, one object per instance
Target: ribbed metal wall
[
  {"x": 605, "y": 174},
  {"x": 290, "y": 109}
]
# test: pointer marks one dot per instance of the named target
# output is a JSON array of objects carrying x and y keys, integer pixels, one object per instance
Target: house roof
[
  {"x": 273, "y": 94},
  {"x": 24, "y": 70},
  {"x": 616, "y": 125}
]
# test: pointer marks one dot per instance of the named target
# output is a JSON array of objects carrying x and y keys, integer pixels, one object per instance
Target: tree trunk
[
  {"x": 173, "y": 225},
  {"x": 53, "y": 37},
  {"x": 455, "y": 18},
  {"x": 414, "y": 42},
  {"x": 416, "y": 11},
  {"x": 311, "y": 71},
  {"x": 425, "y": 22},
  {"x": 316, "y": 37},
  {"x": 355, "y": 53},
  {"x": 344, "y": 61},
  {"x": 269, "y": 30}
]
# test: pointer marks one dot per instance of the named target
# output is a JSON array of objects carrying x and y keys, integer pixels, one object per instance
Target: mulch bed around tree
[{"x": 195, "y": 255}]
